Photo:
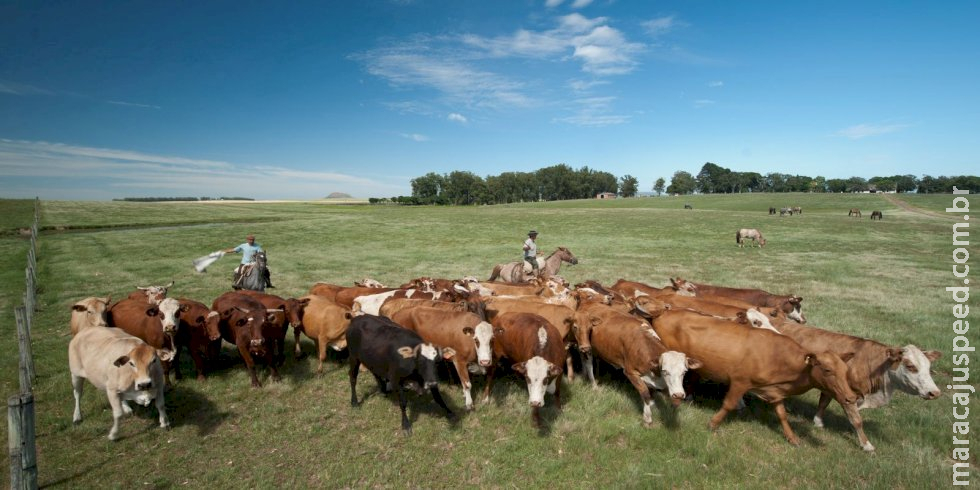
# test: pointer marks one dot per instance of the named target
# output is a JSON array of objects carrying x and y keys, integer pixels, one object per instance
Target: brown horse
[
  {"x": 854, "y": 212},
  {"x": 513, "y": 272},
  {"x": 749, "y": 234},
  {"x": 875, "y": 215}
]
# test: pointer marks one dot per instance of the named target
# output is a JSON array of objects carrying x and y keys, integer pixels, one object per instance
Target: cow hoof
[
  {"x": 794, "y": 441},
  {"x": 200, "y": 377},
  {"x": 868, "y": 447},
  {"x": 818, "y": 422},
  {"x": 76, "y": 421}
]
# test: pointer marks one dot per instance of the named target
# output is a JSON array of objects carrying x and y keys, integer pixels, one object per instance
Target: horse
[
  {"x": 688, "y": 206},
  {"x": 876, "y": 215},
  {"x": 251, "y": 276},
  {"x": 772, "y": 210},
  {"x": 785, "y": 211},
  {"x": 797, "y": 210},
  {"x": 514, "y": 273},
  {"x": 749, "y": 234},
  {"x": 854, "y": 212}
]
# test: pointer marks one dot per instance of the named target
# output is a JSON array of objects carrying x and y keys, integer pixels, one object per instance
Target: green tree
[
  {"x": 681, "y": 183},
  {"x": 427, "y": 188},
  {"x": 628, "y": 185},
  {"x": 464, "y": 187},
  {"x": 658, "y": 186},
  {"x": 857, "y": 184}
]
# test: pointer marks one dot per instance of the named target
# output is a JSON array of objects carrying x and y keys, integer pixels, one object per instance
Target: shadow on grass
[
  {"x": 507, "y": 383},
  {"x": 187, "y": 406},
  {"x": 609, "y": 376}
]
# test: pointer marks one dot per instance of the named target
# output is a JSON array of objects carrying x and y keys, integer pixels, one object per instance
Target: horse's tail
[
  {"x": 495, "y": 274},
  {"x": 738, "y": 237}
]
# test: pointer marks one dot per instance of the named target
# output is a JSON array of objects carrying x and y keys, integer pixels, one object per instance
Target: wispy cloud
[
  {"x": 13, "y": 88},
  {"x": 716, "y": 83},
  {"x": 701, "y": 103},
  {"x": 553, "y": 3},
  {"x": 660, "y": 26},
  {"x": 420, "y": 138},
  {"x": 79, "y": 172},
  {"x": 456, "y": 117},
  {"x": 594, "y": 112},
  {"x": 132, "y": 104},
  {"x": 865, "y": 130},
  {"x": 577, "y": 4}
]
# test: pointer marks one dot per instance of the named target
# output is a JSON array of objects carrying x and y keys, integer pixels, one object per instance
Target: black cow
[
  {"x": 397, "y": 357},
  {"x": 772, "y": 210}
]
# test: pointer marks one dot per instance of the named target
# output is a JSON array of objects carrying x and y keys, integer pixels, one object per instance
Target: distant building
[{"x": 606, "y": 195}]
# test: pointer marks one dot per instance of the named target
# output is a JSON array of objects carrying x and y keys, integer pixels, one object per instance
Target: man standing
[
  {"x": 531, "y": 251},
  {"x": 248, "y": 250}
]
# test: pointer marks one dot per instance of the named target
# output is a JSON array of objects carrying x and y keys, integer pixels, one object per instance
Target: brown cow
[
  {"x": 346, "y": 296},
  {"x": 286, "y": 311},
  {"x": 199, "y": 333},
  {"x": 326, "y": 290},
  {"x": 156, "y": 325},
  {"x": 629, "y": 288},
  {"x": 561, "y": 317},
  {"x": 394, "y": 305},
  {"x": 467, "y": 334},
  {"x": 371, "y": 303},
  {"x": 242, "y": 320},
  {"x": 753, "y": 297},
  {"x": 770, "y": 365},
  {"x": 536, "y": 349},
  {"x": 150, "y": 294},
  {"x": 630, "y": 344},
  {"x": 875, "y": 371},
  {"x": 325, "y": 322},
  {"x": 89, "y": 312}
]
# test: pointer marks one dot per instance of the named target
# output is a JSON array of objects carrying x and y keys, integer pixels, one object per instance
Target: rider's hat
[
  {"x": 532, "y": 233},
  {"x": 250, "y": 237}
]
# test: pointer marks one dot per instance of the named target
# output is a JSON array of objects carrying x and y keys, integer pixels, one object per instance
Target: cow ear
[
  {"x": 468, "y": 330},
  {"x": 694, "y": 363},
  {"x": 740, "y": 317},
  {"x": 520, "y": 367},
  {"x": 498, "y": 331},
  {"x": 122, "y": 360},
  {"x": 165, "y": 355},
  {"x": 595, "y": 320},
  {"x": 811, "y": 359},
  {"x": 847, "y": 357},
  {"x": 348, "y": 315},
  {"x": 895, "y": 354},
  {"x": 199, "y": 320},
  {"x": 78, "y": 308},
  {"x": 554, "y": 370},
  {"x": 406, "y": 352},
  {"x": 933, "y": 355},
  {"x": 184, "y": 308},
  {"x": 152, "y": 311},
  {"x": 448, "y": 353}
]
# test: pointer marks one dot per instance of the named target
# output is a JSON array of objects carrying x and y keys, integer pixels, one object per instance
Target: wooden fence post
[
  {"x": 26, "y": 366},
  {"x": 23, "y": 453}
]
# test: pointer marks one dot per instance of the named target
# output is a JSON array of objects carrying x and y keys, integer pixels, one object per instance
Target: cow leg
[
  {"x": 403, "y": 403},
  {"x": 117, "y": 413},
  {"x": 822, "y": 408},
  {"x": 249, "y": 365},
  {"x": 175, "y": 363},
  {"x": 198, "y": 357},
  {"x": 486, "y": 389},
  {"x": 644, "y": 391},
  {"x": 536, "y": 416},
  {"x": 77, "y": 384},
  {"x": 297, "y": 352},
  {"x": 464, "y": 380},
  {"x": 270, "y": 359},
  {"x": 162, "y": 408},
  {"x": 167, "y": 367},
  {"x": 442, "y": 403},
  {"x": 568, "y": 365},
  {"x": 321, "y": 352},
  {"x": 854, "y": 416},
  {"x": 557, "y": 384},
  {"x": 589, "y": 369},
  {"x": 355, "y": 368},
  {"x": 787, "y": 430},
  {"x": 734, "y": 395}
]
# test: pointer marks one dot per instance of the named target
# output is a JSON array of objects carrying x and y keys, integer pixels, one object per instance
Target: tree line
[
  {"x": 167, "y": 199},
  {"x": 561, "y": 182}
]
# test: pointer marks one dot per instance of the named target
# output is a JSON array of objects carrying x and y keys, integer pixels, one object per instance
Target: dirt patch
[{"x": 910, "y": 208}]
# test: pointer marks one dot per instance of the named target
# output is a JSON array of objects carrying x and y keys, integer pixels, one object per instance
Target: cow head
[
  {"x": 483, "y": 339},
  {"x": 169, "y": 312},
  {"x": 93, "y": 310},
  {"x": 910, "y": 370},
  {"x": 295, "y": 308},
  {"x": 646, "y": 306},
  {"x": 425, "y": 356},
  {"x": 683, "y": 287},
  {"x": 829, "y": 373},
  {"x": 155, "y": 294},
  {"x": 139, "y": 361},
  {"x": 539, "y": 374},
  {"x": 212, "y": 324},
  {"x": 794, "y": 309},
  {"x": 582, "y": 329},
  {"x": 672, "y": 367},
  {"x": 757, "y": 319}
]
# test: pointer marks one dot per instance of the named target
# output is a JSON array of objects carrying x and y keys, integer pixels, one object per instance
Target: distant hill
[{"x": 339, "y": 195}]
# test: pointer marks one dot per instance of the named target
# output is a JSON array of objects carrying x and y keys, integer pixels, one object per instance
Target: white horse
[{"x": 749, "y": 234}]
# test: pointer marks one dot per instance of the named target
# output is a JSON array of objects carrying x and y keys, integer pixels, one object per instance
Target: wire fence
[{"x": 20, "y": 407}]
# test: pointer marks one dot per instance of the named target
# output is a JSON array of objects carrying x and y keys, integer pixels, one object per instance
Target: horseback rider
[
  {"x": 531, "y": 251},
  {"x": 248, "y": 251}
]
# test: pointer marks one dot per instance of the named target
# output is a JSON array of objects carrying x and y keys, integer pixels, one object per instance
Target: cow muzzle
[
  {"x": 485, "y": 363},
  {"x": 932, "y": 395},
  {"x": 169, "y": 329},
  {"x": 257, "y": 342},
  {"x": 677, "y": 398},
  {"x": 144, "y": 385},
  {"x": 431, "y": 384}
]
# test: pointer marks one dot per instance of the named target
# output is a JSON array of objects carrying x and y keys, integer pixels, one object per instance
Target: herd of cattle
[{"x": 661, "y": 338}]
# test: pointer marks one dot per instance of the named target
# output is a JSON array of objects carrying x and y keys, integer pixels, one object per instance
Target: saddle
[
  {"x": 241, "y": 272},
  {"x": 527, "y": 266}
]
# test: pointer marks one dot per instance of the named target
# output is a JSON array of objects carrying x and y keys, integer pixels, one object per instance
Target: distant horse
[
  {"x": 785, "y": 211},
  {"x": 797, "y": 210},
  {"x": 854, "y": 212},
  {"x": 251, "y": 276},
  {"x": 749, "y": 234},
  {"x": 772, "y": 210},
  {"x": 514, "y": 272},
  {"x": 876, "y": 215},
  {"x": 688, "y": 206}
]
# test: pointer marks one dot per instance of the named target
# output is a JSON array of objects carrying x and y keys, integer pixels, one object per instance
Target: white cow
[
  {"x": 89, "y": 312},
  {"x": 122, "y": 365}
]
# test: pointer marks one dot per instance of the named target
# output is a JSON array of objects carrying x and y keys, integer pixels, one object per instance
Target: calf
[
  {"x": 150, "y": 294},
  {"x": 122, "y": 365},
  {"x": 467, "y": 334},
  {"x": 325, "y": 322},
  {"x": 200, "y": 333},
  {"x": 631, "y": 345},
  {"x": 875, "y": 371},
  {"x": 537, "y": 351},
  {"x": 157, "y": 325},
  {"x": 241, "y": 324},
  {"x": 769, "y": 365},
  {"x": 89, "y": 312},
  {"x": 396, "y": 356}
]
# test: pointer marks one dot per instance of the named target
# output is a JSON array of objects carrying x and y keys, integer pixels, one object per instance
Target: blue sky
[{"x": 102, "y": 100}]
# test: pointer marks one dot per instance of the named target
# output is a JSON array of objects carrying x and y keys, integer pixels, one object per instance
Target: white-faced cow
[
  {"x": 150, "y": 294},
  {"x": 123, "y": 366},
  {"x": 157, "y": 325}
]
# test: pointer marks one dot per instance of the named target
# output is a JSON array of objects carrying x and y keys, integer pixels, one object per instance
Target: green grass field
[{"x": 883, "y": 280}]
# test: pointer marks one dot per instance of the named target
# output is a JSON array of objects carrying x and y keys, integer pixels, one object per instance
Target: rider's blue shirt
[{"x": 248, "y": 252}]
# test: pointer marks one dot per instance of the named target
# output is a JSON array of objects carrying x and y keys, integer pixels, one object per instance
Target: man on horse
[
  {"x": 531, "y": 251},
  {"x": 248, "y": 251}
]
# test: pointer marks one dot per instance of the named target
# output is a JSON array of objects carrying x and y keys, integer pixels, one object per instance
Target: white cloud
[
  {"x": 594, "y": 111},
  {"x": 13, "y": 88},
  {"x": 716, "y": 83},
  {"x": 703, "y": 103},
  {"x": 552, "y": 3},
  {"x": 865, "y": 130},
  {"x": 585, "y": 85},
  {"x": 415, "y": 137},
  {"x": 659, "y": 26},
  {"x": 132, "y": 104},
  {"x": 456, "y": 117},
  {"x": 577, "y": 4}
]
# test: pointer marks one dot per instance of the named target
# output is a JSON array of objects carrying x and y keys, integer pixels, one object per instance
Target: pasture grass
[{"x": 883, "y": 280}]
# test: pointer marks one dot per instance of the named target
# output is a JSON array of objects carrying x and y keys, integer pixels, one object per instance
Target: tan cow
[
  {"x": 325, "y": 322},
  {"x": 125, "y": 367},
  {"x": 770, "y": 365},
  {"x": 89, "y": 312},
  {"x": 465, "y": 333},
  {"x": 791, "y": 304}
]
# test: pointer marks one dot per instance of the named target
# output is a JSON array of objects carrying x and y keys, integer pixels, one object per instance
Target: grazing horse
[
  {"x": 252, "y": 275},
  {"x": 749, "y": 234},
  {"x": 854, "y": 212},
  {"x": 513, "y": 272},
  {"x": 772, "y": 210},
  {"x": 785, "y": 211},
  {"x": 797, "y": 210},
  {"x": 876, "y": 215},
  {"x": 688, "y": 206}
]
